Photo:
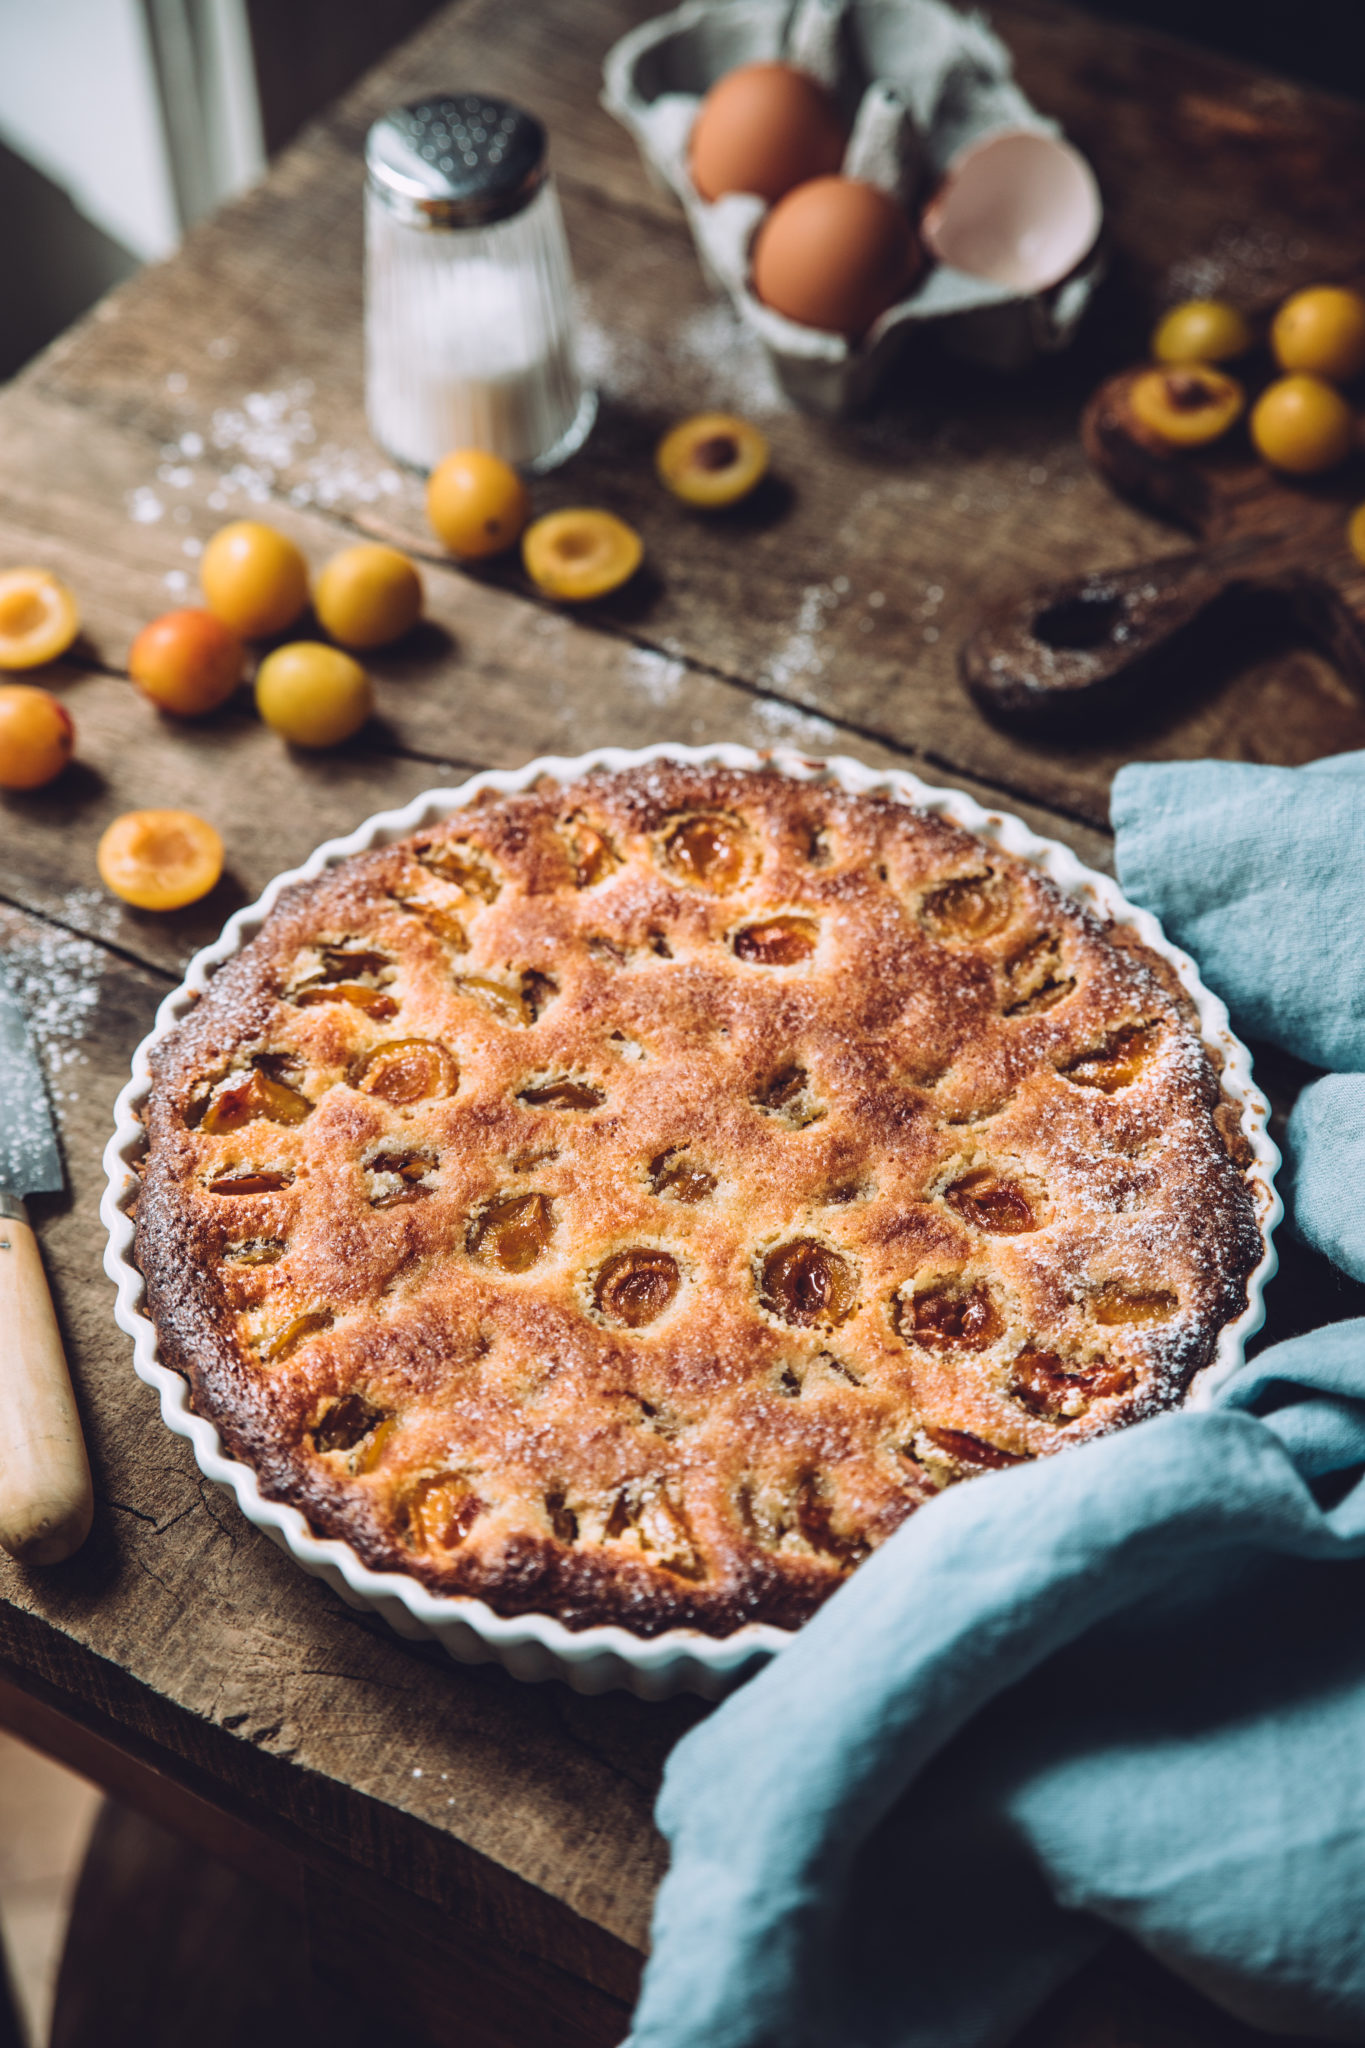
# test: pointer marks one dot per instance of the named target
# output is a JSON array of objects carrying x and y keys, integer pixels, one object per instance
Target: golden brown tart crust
[{"x": 630, "y": 1201}]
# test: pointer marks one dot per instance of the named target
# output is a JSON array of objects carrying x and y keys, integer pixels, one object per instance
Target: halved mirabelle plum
[
  {"x": 512, "y": 1231},
  {"x": 805, "y": 1282},
  {"x": 187, "y": 662},
  {"x": 399, "y": 1176},
  {"x": 788, "y": 1096},
  {"x": 948, "y": 1315},
  {"x": 349, "y": 962},
  {"x": 407, "y": 1070},
  {"x": 581, "y": 554},
  {"x": 1201, "y": 331},
  {"x": 246, "y": 1096},
  {"x": 712, "y": 460},
  {"x": 465, "y": 867},
  {"x": 972, "y": 907},
  {"x": 1188, "y": 405},
  {"x": 1060, "y": 1389},
  {"x": 36, "y": 736},
  {"x": 160, "y": 860},
  {"x": 972, "y": 1451},
  {"x": 504, "y": 1002},
  {"x": 347, "y": 1423},
  {"x": 636, "y": 1286},
  {"x": 777, "y": 942},
  {"x": 38, "y": 618},
  {"x": 372, "y": 1001},
  {"x": 1035, "y": 978},
  {"x": 673, "y": 1174},
  {"x": 254, "y": 579},
  {"x": 440, "y": 922},
  {"x": 279, "y": 1344},
  {"x": 476, "y": 503},
  {"x": 591, "y": 852},
  {"x": 1118, "y": 1062},
  {"x": 1116, "y": 1302},
  {"x": 991, "y": 1203},
  {"x": 250, "y": 1180},
  {"x": 313, "y": 695},
  {"x": 368, "y": 595},
  {"x": 562, "y": 1094},
  {"x": 441, "y": 1511},
  {"x": 709, "y": 849}
]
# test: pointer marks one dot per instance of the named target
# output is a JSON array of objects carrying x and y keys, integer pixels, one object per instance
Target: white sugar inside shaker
[{"x": 469, "y": 321}]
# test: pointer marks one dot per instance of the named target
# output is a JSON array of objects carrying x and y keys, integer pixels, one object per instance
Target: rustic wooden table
[{"x": 497, "y": 1836}]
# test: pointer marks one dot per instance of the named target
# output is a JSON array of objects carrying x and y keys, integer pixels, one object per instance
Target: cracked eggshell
[{"x": 1019, "y": 208}]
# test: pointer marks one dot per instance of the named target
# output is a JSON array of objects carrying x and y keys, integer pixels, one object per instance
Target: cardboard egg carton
[{"x": 919, "y": 85}]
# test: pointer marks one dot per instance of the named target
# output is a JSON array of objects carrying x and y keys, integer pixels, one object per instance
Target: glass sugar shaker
[{"x": 469, "y": 319}]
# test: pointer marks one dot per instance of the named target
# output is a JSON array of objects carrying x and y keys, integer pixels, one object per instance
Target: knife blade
[
  {"x": 46, "y": 1500},
  {"x": 30, "y": 1163}
]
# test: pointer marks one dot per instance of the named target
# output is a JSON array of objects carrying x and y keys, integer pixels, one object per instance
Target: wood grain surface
[{"x": 828, "y": 614}]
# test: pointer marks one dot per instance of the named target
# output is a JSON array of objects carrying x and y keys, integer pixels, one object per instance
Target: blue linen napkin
[{"x": 1124, "y": 1688}]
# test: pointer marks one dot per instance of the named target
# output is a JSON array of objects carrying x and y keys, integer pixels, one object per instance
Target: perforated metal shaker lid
[{"x": 456, "y": 160}]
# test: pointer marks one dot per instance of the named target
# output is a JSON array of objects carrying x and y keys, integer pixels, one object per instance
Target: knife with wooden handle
[{"x": 46, "y": 1501}]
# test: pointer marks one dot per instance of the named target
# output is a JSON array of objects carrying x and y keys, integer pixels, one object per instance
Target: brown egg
[
  {"x": 834, "y": 254},
  {"x": 763, "y": 129}
]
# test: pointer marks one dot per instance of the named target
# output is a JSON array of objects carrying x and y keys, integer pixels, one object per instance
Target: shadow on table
[
  {"x": 167, "y": 1946},
  {"x": 1125, "y": 2000}
]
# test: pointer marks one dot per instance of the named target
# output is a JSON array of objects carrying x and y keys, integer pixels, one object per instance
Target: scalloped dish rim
[{"x": 537, "y": 1646}]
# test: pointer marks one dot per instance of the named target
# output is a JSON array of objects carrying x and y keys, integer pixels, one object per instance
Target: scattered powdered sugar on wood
[
  {"x": 269, "y": 432},
  {"x": 1245, "y": 264},
  {"x": 266, "y": 443},
  {"x": 92, "y": 911},
  {"x": 787, "y": 723},
  {"x": 144, "y": 506},
  {"x": 617, "y": 364},
  {"x": 56, "y": 977},
  {"x": 801, "y": 653},
  {"x": 715, "y": 345},
  {"x": 659, "y": 677},
  {"x": 710, "y": 359}
]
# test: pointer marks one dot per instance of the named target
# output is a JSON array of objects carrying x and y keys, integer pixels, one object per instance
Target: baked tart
[{"x": 628, "y": 1201}]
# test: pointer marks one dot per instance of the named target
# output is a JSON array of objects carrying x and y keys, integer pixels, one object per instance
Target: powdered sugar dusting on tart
[{"x": 630, "y": 1200}]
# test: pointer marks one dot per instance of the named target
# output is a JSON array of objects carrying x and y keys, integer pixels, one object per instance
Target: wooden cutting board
[{"x": 1269, "y": 550}]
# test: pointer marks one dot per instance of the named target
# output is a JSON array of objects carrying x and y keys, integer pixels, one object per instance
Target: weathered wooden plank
[
  {"x": 492, "y": 680},
  {"x": 849, "y": 588}
]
